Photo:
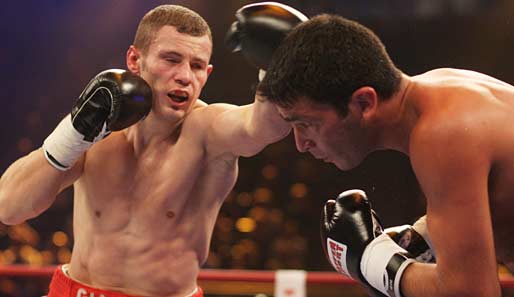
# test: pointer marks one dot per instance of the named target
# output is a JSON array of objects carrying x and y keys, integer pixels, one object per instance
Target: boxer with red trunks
[{"x": 150, "y": 163}]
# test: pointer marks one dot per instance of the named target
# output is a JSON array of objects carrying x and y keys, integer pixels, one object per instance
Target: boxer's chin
[{"x": 344, "y": 165}]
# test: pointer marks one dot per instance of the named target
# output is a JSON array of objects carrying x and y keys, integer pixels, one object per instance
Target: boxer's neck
[
  {"x": 153, "y": 130},
  {"x": 397, "y": 116}
]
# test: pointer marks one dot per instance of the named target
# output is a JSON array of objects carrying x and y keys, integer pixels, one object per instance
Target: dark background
[{"x": 50, "y": 50}]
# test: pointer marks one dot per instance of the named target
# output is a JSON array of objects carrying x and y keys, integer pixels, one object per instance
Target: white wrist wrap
[
  {"x": 376, "y": 265},
  {"x": 420, "y": 226},
  {"x": 397, "y": 229},
  {"x": 65, "y": 145},
  {"x": 262, "y": 73}
]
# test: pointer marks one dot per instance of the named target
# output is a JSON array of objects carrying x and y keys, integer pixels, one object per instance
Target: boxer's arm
[
  {"x": 452, "y": 168},
  {"x": 257, "y": 32},
  {"x": 245, "y": 130},
  {"x": 30, "y": 185},
  {"x": 113, "y": 100}
]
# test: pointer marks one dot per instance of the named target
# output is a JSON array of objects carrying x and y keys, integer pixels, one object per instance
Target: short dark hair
[
  {"x": 184, "y": 19},
  {"x": 326, "y": 59}
]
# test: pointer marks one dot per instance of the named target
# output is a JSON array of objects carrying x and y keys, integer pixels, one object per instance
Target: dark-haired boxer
[
  {"x": 334, "y": 82},
  {"x": 147, "y": 196}
]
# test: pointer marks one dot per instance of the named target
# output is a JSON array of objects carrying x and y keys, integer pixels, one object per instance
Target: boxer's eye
[{"x": 197, "y": 66}]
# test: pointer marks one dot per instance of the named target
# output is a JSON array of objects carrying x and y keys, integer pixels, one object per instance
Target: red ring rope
[{"x": 313, "y": 277}]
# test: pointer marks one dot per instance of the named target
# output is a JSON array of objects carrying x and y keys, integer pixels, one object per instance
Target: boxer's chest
[{"x": 163, "y": 186}]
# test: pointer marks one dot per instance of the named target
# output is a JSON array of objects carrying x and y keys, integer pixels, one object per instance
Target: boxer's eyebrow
[
  {"x": 289, "y": 118},
  {"x": 171, "y": 53},
  {"x": 293, "y": 118},
  {"x": 175, "y": 54}
]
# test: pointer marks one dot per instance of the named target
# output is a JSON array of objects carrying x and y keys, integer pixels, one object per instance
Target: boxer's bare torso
[
  {"x": 143, "y": 217},
  {"x": 469, "y": 102},
  {"x": 147, "y": 197}
]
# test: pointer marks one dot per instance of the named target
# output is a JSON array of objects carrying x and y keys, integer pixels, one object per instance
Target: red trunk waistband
[{"x": 63, "y": 286}]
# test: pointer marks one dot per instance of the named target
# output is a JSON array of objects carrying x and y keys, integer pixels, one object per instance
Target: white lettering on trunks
[{"x": 83, "y": 293}]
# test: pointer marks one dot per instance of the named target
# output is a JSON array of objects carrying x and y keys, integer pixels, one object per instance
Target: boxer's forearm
[
  {"x": 421, "y": 280},
  {"x": 28, "y": 187},
  {"x": 424, "y": 280},
  {"x": 265, "y": 122}
]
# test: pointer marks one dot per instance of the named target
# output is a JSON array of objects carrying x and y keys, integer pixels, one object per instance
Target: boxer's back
[{"x": 482, "y": 104}]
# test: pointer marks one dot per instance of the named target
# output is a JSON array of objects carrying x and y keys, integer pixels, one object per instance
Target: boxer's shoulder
[{"x": 203, "y": 115}]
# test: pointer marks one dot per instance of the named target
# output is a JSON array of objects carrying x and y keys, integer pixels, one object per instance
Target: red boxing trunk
[{"x": 64, "y": 286}]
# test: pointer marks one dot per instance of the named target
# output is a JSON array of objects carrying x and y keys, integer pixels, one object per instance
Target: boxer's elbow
[
  {"x": 8, "y": 212},
  {"x": 11, "y": 220},
  {"x": 9, "y": 217},
  {"x": 14, "y": 212}
]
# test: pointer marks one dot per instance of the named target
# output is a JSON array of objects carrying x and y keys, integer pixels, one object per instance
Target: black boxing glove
[
  {"x": 113, "y": 100},
  {"x": 259, "y": 29},
  {"x": 414, "y": 239},
  {"x": 356, "y": 246}
]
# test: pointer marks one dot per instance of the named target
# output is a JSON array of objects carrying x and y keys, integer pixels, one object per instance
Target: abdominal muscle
[
  {"x": 139, "y": 253},
  {"x": 136, "y": 266}
]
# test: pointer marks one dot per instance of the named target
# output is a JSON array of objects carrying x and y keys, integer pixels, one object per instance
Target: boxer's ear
[
  {"x": 364, "y": 101},
  {"x": 134, "y": 60}
]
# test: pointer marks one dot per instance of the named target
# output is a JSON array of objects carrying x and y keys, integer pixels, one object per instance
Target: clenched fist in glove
[
  {"x": 355, "y": 244},
  {"x": 259, "y": 30},
  {"x": 113, "y": 100}
]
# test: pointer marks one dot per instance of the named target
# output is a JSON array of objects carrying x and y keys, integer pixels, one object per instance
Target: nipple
[{"x": 170, "y": 214}]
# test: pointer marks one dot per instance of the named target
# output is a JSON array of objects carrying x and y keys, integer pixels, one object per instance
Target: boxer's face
[
  {"x": 176, "y": 65},
  {"x": 320, "y": 130}
]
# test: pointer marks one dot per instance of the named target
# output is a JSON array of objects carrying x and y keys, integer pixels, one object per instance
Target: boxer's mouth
[{"x": 178, "y": 96}]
